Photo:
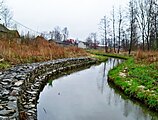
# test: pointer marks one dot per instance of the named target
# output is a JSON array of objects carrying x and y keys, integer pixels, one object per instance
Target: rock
[
  {"x": 30, "y": 92},
  {"x": 122, "y": 74},
  {"x": 12, "y": 105},
  {"x": 4, "y": 83},
  {"x": 5, "y": 92},
  {"x": 125, "y": 70},
  {"x": 7, "y": 80},
  {"x": 19, "y": 83},
  {"x": 6, "y": 112},
  {"x": 12, "y": 98},
  {"x": 26, "y": 106},
  {"x": 14, "y": 93},
  {"x": 3, "y": 118},
  {"x": 31, "y": 100},
  {"x": 20, "y": 77},
  {"x": 24, "y": 103},
  {"x": 2, "y": 59},
  {"x": 14, "y": 81},
  {"x": 37, "y": 84},
  {"x": 1, "y": 86},
  {"x": 31, "y": 111},
  {"x": 1, "y": 107},
  {"x": 29, "y": 114},
  {"x": 141, "y": 87},
  {"x": 16, "y": 88},
  {"x": 32, "y": 106}
]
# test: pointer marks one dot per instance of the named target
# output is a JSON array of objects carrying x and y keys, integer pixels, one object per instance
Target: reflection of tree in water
[
  {"x": 127, "y": 107},
  {"x": 101, "y": 77},
  {"x": 103, "y": 72}
]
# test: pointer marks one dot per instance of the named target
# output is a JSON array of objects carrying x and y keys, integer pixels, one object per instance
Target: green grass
[
  {"x": 4, "y": 65},
  {"x": 100, "y": 53},
  {"x": 140, "y": 81},
  {"x": 100, "y": 58}
]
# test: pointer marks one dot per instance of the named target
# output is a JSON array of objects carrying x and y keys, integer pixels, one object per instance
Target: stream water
[{"x": 86, "y": 95}]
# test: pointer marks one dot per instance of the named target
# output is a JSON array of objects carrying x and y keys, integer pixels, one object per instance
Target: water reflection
[
  {"x": 103, "y": 72},
  {"x": 86, "y": 95}
]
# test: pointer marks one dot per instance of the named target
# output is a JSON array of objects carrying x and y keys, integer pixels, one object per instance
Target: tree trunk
[
  {"x": 148, "y": 44},
  {"x": 131, "y": 39},
  {"x": 114, "y": 28},
  {"x": 143, "y": 39}
]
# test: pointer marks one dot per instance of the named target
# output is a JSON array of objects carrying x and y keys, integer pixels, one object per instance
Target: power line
[{"x": 26, "y": 27}]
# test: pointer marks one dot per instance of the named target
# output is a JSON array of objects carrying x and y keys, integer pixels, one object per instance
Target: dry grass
[
  {"x": 147, "y": 56},
  {"x": 36, "y": 50}
]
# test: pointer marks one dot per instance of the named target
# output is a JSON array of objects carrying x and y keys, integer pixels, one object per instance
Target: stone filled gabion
[{"x": 20, "y": 86}]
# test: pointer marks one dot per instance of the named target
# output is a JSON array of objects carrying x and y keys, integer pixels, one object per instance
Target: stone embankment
[{"x": 20, "y": 86}]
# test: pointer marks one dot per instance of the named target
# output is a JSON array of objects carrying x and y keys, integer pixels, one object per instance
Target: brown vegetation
[
  {"x": 147, "y": 56},
  {"x": 35, "y": 50}
]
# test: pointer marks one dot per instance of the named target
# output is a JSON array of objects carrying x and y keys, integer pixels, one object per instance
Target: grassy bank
[
  {"x": 99, "y": 57},
  {"x": 37, "y": 50},
  {"x": 137, "y": 77},
  {"x": 103, "y": 54}
]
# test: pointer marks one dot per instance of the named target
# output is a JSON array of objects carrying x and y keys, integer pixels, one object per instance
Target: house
[
  {"x": 68, "y": 42},
  {"x": 5, "y": 33},
  {"x": 82, "y": 44}
]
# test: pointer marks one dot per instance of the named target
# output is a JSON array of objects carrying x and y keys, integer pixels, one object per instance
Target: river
[{"x": 86, "y": 95}]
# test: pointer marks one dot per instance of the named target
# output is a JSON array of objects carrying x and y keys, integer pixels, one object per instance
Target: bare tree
[
  {"x": 147, "y": 21},
  {"x": 149, "y": 7},
  {"x": 119, "y": 29},
  {"x": 156, "y": 24},
  {"x": 6, "y": 16},
  {"x": 125, "y": 42},
  {"x": 153, "y": 29},
  {"x": 52, "y": 35},
  {"x": 141, "y": 20},
  {"x": 65, "y": 33},
  {"x": 89, "y": 41},
  {"x": 1, "y": 5},
  {"x": 113, "y": 19},
  {"x": 132, "y": 12},
  {"x": 57, "y": 33},
  {"x": 94, "y": 39},
  {"x": 103, "y": 27}
]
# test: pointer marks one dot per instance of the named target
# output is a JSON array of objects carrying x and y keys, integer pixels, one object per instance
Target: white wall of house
[{"x": 81, "y": 45}]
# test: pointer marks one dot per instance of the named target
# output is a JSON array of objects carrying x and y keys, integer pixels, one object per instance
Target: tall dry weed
[
  {"x": 147, "y": 56},
  {"x": 36, "y": 50}
]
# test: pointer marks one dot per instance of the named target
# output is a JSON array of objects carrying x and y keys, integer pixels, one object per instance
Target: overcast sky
[{"x": 80, "y": 16}]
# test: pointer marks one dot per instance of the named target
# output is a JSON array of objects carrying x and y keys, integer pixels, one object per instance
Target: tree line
[{"x": 131, "y": 27}]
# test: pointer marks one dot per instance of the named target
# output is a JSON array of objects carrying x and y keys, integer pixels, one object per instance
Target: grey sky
[{"x": 80, "y": 16}]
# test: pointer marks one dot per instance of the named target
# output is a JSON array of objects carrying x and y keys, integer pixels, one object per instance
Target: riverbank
[{"x": 137, "y": 77}]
